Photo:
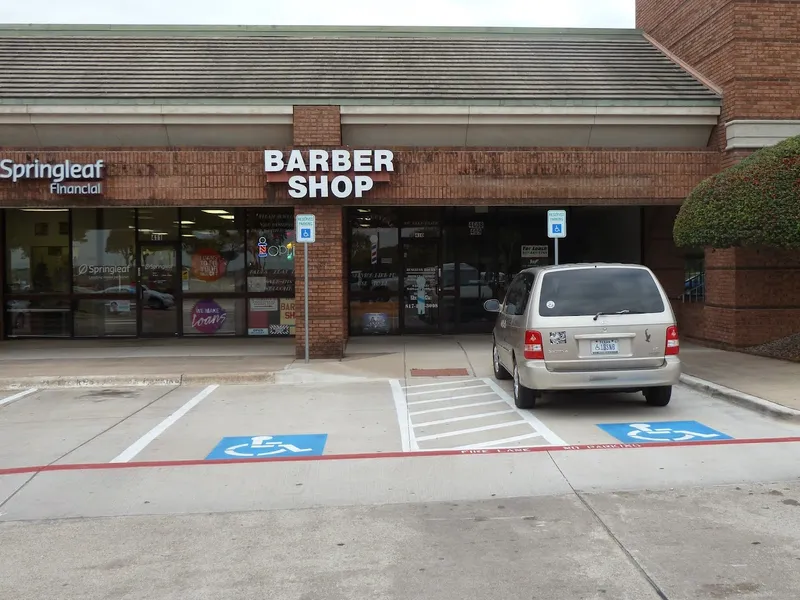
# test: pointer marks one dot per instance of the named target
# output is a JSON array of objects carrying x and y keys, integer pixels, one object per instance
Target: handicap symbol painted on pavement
[
  {"x": 665, "y": 431},
  {"x": 265, "y": 446}
]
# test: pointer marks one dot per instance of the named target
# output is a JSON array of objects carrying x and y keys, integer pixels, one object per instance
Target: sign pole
[
  {"x": 306, "y": 234},
  {"x": 306, "y": 247},
  {"x": 556, "y": 227}
]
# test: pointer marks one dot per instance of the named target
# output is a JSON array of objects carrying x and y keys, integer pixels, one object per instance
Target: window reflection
[
  {"x": 103, "y": 250},
  {"x": 213, "y": 250},
  {"x": 270, "y": 251},
  {"x": 37, "y": 251}
]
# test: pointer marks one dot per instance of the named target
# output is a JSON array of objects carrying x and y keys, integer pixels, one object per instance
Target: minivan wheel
[
  {"x": 499, "y": 370},
  {"x": 658, "y": 396},
  {"x": 523, "y": 397}
]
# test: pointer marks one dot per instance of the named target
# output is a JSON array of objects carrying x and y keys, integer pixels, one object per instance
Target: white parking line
[
  {"x": 148, "y": 437},
  {"x": 403, "y": 418},
  {"x": 450, "y": 398},
  {"x": 525, "y": 414},
  {"x": 465, "y": 418},
  {"x": 17, "y": 396},
  {"x": 460, "y": 406},
  {"x": 465, "y": 431},
  {"x": 455, "y": 389}
]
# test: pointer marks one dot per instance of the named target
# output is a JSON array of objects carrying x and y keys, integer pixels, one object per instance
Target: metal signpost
[
  {"x": 556, "y": 227},
  {"x": 306, "y": 228}
]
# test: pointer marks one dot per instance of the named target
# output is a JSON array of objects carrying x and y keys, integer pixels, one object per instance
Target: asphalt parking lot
[{"x": 219, "y": 422}]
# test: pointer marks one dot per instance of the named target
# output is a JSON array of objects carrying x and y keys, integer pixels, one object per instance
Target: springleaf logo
[{"x": 83, "y": 269}]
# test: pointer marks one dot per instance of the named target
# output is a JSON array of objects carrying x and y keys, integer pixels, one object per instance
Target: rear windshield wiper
[{"x": 624, "y": 311}]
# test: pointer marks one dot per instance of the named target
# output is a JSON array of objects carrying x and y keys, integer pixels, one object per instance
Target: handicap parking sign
[
  {"x": 664, "y": 431},
  {"x": 305, "y": 233},
  {"x": 266, "y": 446}
]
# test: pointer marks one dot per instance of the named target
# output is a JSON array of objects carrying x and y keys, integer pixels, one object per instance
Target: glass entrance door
[
  {"x": 421, "y": 286},
  {"x": 157, "y": 290}
]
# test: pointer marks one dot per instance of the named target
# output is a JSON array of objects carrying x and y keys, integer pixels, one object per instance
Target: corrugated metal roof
[{"x": 346, "y": 65}]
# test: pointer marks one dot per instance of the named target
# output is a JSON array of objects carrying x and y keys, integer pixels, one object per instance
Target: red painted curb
[{"x": 369, "y": 455}]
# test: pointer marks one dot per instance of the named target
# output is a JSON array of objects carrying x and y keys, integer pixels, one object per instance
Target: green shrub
[{"x": 753, "y": 203}]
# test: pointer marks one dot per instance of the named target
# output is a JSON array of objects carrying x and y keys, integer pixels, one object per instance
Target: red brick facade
[
  {"x": 751, "y": 50},
  {"x": 433, "y": 176}
]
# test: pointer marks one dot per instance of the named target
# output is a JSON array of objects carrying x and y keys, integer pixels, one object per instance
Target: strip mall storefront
[{"x": 186, "y": 243}]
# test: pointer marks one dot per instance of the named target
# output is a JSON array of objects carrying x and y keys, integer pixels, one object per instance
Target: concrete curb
[
  {"x": 740, "y": 398},
  {"x": 284, "y": 377}
]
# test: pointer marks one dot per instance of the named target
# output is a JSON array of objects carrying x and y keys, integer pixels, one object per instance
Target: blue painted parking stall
[
  {"x": 263, "y": 446},
  {"x": 662, "y": 431}
]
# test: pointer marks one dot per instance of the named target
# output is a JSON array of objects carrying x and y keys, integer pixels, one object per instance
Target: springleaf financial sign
[
  {"x": 66, "y": 178},
  {"x": 324, "y": 173}
]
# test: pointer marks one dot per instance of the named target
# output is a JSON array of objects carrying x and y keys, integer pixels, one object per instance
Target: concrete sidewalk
[
  {"x": 764, "y": 383},
  {"x": 743, "y": 377},
  {"x": 55, "y": 363}
]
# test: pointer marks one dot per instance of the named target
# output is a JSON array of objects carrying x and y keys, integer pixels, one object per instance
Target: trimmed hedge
[{"x": 753, "y": 203}]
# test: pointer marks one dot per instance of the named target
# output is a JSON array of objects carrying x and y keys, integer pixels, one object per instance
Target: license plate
[{"x": 605, "y": 347}]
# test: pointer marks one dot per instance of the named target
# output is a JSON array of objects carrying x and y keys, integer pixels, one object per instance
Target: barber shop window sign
[
  {"x": 208, "y": 265},
  {"x": 208, "y": 316}
]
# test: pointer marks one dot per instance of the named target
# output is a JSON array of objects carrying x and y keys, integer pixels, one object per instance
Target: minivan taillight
[
  {"x": 673, "y": 342},
  {"x": 533, "y": 349}
]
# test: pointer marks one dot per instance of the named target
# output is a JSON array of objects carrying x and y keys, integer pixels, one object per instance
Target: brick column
[
  {"x": 317, "y": 126},
  {"x": 320, "y": 127},
  {"x": 327, "y": 326},
  {"x": 660, "y": 253},
  {"x": 752, "y": 295}
]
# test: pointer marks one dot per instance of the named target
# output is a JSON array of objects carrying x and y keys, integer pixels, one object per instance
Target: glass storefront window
[
  {"x": 270, "y": 252},
  {"x": 374, "y": 271},
  {"x": 213, "y": 250},
  {"x": 421, "y": 223},
  {"x": 371, "y": 317},
  {"x": 103, "y": 250},
  {"x": 271, "y": 316},
  {"x": 213, "y": 316},
  {"x": 158, "y": 224},
  {"x": 105, "y": 318},
  {"x": 38, "y": 317},
  {"x": 374, "y": 264},
  {"x": 37, "y": 251}
]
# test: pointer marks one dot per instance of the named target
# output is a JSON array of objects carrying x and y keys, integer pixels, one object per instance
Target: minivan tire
[
  {"x": 500, "y": 371},
  {"x": 524, "y": 398},
  {"x": 658, "y": 396}
]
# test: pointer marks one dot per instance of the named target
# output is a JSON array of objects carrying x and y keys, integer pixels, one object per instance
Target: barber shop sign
[{"x": 328, "y": 173}]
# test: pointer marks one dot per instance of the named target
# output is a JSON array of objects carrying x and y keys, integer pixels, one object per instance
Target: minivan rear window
[{"x": 578, "y": 292}]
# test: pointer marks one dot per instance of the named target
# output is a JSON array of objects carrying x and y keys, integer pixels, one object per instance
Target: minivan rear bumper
[{"x": 533, "y": 374}]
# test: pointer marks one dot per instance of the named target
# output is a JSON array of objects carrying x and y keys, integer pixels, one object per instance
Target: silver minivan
[{"x": 592, "y": 327}]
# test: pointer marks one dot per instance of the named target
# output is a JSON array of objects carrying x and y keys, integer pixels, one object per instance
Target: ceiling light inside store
[
  {"x": 45, "y": 209},
  {"x": 229, "y": 217},
  {"x": 184, "y": 222},
  {"x": 215, "y": 211}
]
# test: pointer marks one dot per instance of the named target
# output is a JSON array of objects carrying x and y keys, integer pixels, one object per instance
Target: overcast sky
[{"x": 523, "y": 13}]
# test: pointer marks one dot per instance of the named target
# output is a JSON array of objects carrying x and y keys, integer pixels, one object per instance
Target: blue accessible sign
[
  {"x": 664, "y": 431},
  {"x": 263, "y": 446}
]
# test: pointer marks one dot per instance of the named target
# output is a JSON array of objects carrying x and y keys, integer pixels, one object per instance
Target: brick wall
[
  {"x": 660, "y": 253},
  {"x": 317, "y": 126},
  {"x": 326, "y": 269},
  {"x": 699, "y": 32},
  {"x": 751, "y": 49},
  {"x": 434, "y": 175},
  {"x": 752, "y": 295}
]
